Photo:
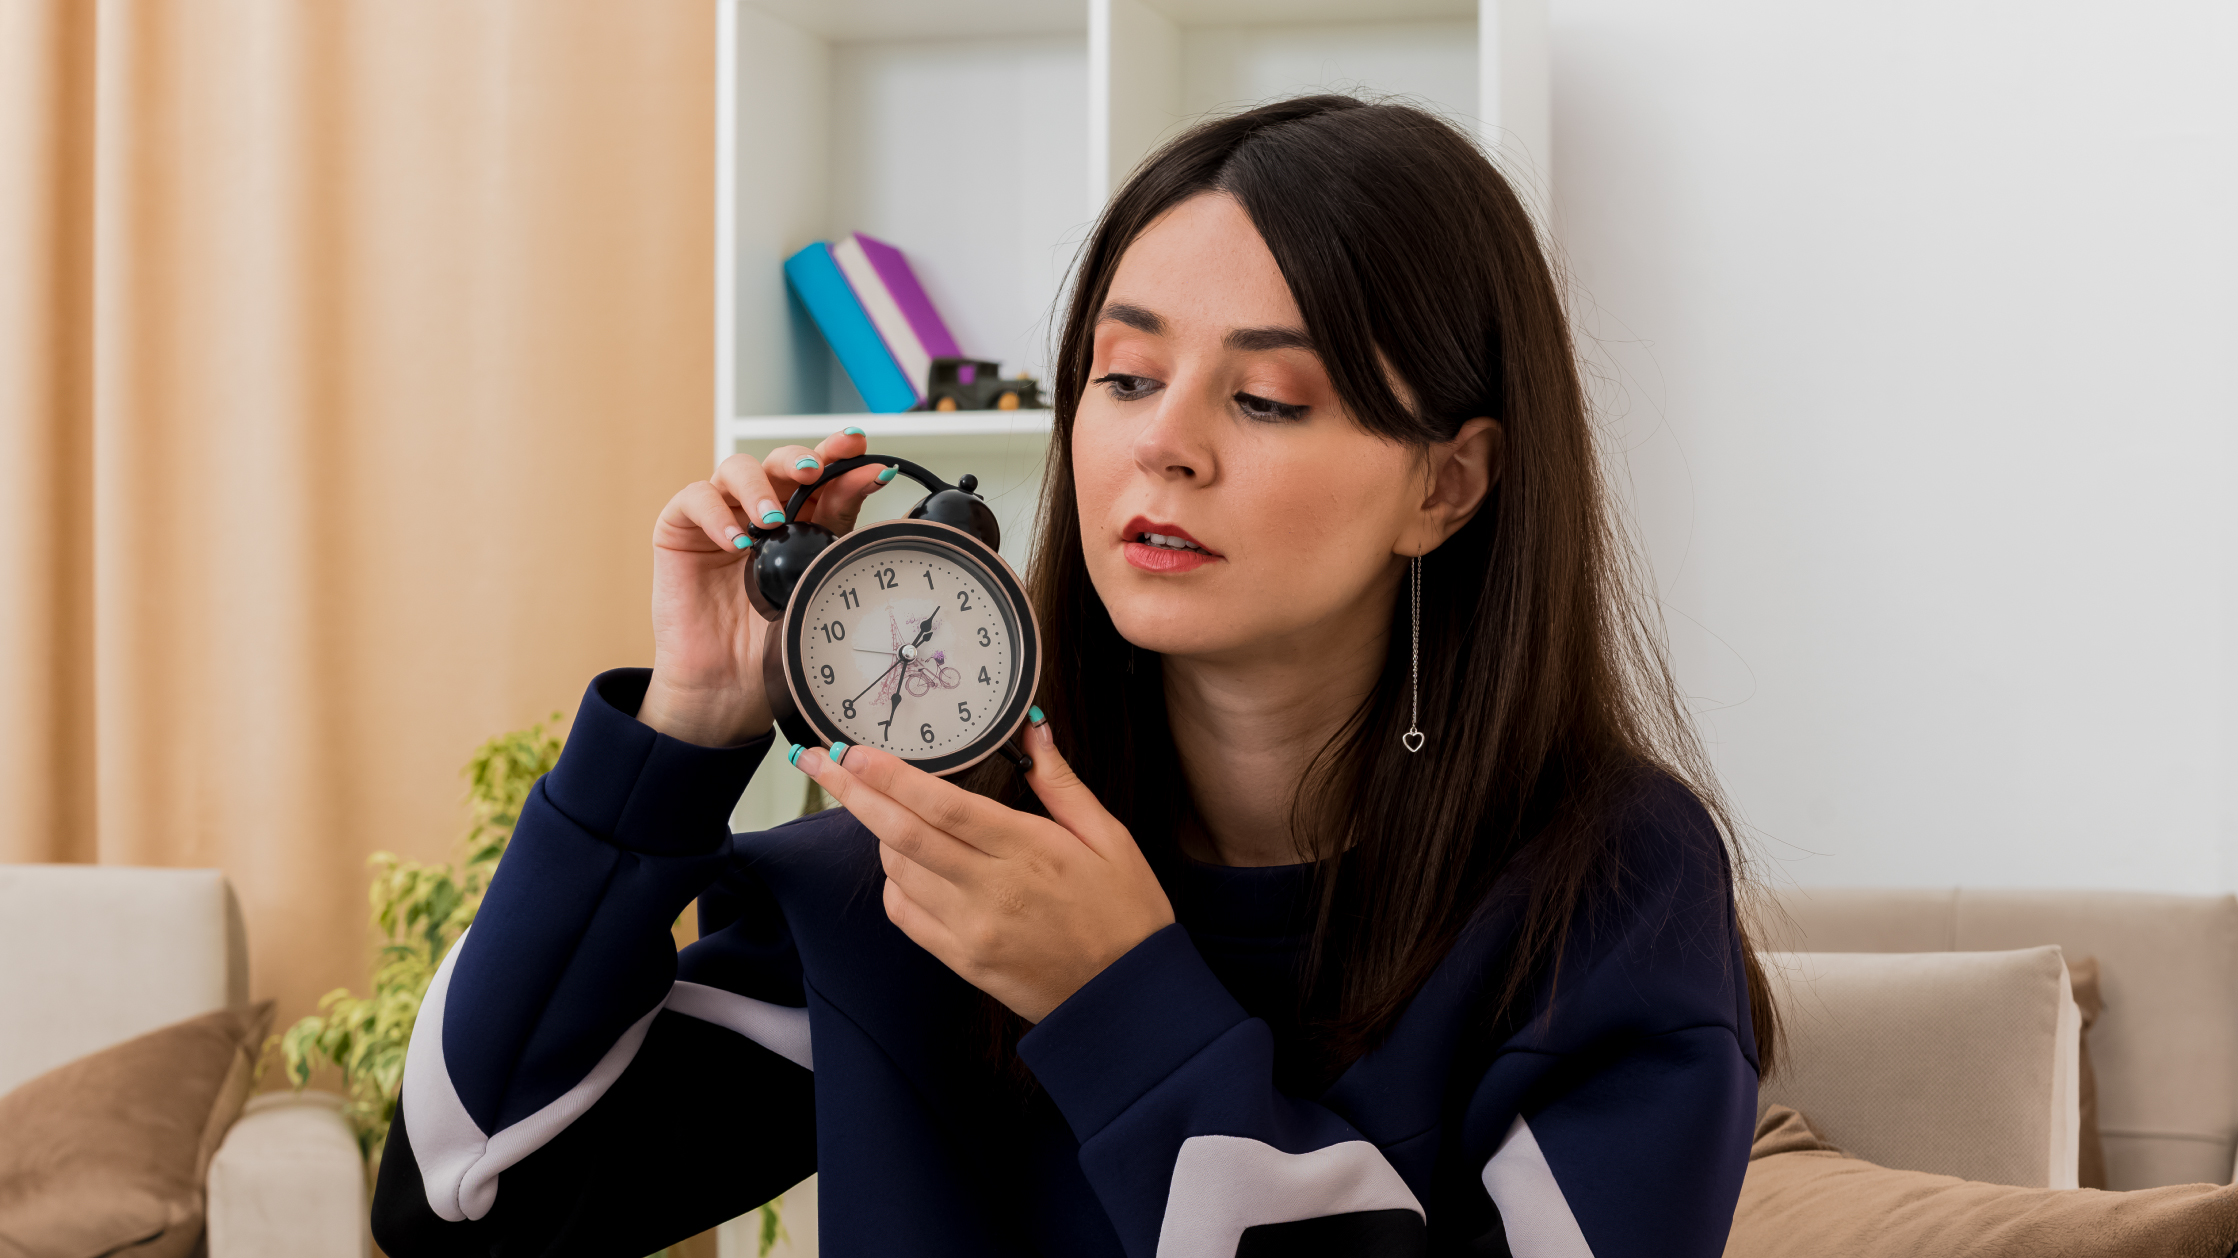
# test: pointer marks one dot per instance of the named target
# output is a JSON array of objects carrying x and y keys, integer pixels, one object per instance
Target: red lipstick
[{"x": 1156, "y": 546}]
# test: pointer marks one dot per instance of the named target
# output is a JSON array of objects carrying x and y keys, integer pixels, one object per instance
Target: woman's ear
[{"x": 1457, "y": 476}]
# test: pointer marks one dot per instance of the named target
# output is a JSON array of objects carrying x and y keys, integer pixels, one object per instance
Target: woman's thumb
[{"x": 1069, "y": 801}]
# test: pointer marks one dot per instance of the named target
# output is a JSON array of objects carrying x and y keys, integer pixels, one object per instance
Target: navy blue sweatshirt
[{"x": 575, "y": 1085}]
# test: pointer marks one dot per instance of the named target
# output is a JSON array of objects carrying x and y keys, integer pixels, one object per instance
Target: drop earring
[{"x": 1413, "y": 739}]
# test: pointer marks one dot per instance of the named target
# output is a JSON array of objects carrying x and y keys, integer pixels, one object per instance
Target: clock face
[{"x": 908, "y": 641}]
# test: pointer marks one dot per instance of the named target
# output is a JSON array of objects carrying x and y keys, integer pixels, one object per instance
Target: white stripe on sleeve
[
  {"x": 1225, "y": 1184},
  {"x": 459, "y": 1165},
  {"x": 1532, "y": 1208},
  {"x": 781, "y": 1029}
]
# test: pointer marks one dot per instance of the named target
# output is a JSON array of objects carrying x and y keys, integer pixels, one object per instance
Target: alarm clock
[{"x": 909, "y": 635}]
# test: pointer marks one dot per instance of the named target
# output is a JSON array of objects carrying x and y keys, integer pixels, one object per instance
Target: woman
[{"x": 1355, "y": 902}]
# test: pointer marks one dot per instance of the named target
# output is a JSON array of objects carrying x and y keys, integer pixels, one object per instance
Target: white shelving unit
[{"x": 982, "y": 137}]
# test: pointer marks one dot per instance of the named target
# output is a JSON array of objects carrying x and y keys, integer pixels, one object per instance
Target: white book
[{"x": 885, "y": 313}]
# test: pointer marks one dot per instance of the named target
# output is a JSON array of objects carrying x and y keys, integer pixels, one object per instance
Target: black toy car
[{"x": 967, "y": 384}]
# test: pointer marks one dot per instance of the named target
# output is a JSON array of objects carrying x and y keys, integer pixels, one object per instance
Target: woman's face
[{"x": 1211, "y": 420}]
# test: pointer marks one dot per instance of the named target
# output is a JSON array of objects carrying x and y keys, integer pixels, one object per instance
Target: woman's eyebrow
[
  {"x": 1135, "y": 317},
  {"x": 1259, "y": 340},
  {"x": 1244, "y": 340}
]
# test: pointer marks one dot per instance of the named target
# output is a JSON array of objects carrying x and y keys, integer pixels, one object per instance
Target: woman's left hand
[{"x": 1025, "y": 908}]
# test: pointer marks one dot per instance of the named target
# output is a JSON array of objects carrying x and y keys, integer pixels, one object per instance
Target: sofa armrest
[{"x": 288, "y": 1182}]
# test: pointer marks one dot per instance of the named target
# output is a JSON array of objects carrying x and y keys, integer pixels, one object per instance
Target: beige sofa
[
  {"x": 94, "y": 955},
  {"x": 2165, "y": 1049}
]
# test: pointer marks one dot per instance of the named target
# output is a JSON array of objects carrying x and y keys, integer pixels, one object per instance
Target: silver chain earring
[{"x": 1413, "y": 739}]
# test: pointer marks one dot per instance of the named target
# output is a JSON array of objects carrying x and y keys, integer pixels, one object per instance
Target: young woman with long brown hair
[{"x": 1367, "y": 894}]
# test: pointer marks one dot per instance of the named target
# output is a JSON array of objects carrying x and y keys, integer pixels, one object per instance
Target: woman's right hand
[{"x": 707, "y": 639}]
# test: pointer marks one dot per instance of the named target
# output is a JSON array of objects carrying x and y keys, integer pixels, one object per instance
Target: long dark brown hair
[{"x": 1543, "y": 674}]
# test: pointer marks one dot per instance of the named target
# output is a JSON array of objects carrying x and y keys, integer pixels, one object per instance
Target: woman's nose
[{"x": 1177, "y": 442}]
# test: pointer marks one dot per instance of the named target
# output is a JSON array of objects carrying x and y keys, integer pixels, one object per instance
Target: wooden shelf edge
[{"x": 900, "y": 424}]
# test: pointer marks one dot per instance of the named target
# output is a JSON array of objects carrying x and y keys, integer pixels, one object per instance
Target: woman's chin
[{"x": 1181, "y": 631}]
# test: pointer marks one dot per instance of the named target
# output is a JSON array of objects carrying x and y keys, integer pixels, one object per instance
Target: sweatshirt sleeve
[
  {"x": 1618, "y": 1119},
  {"x": 566, "y": 993},
  {"x": 1615, "y": 1119},
  {"x": 1169, "y": 1086}
]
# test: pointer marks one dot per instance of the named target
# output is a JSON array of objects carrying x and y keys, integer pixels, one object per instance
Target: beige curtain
[{"x": 347, "y": 350}]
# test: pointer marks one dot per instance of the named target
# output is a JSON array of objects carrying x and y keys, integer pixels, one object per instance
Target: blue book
[{"x": 840, "y": 317}]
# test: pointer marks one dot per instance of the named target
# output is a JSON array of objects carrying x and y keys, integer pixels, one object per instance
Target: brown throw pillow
[
  {"x": 107, "y": 1154},
  {"x": 1805, "y": 1199},
  {"x": 2090, "y": 1151}
]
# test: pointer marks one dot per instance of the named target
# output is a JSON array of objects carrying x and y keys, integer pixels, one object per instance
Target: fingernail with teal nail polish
[
  {"x": 1034, "y": 715},
  {"x": 793, "y": 757},
  {"x": 773, "y": 517},
  {"x": 838, "y": 752},
  {"x": 742, "y": 541},
  {"x": 806, "y": 463},
  {"x": 852, "y": 432},
  {"x": 888, "y": 474}
]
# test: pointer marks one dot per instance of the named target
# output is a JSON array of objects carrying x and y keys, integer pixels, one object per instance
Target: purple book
[{"x": 897, "y": 305}]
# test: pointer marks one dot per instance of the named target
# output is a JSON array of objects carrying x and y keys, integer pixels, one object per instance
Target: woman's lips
[
  {"x": 1165, "y": 559},
  {"x": 1152, "y": 558}
]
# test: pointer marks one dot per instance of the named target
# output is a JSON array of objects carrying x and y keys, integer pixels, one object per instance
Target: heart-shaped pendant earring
[{"x": 1413, "y": 739}]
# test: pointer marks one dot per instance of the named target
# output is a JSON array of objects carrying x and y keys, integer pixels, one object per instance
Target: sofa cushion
[
  {"x": 2166, "y": 1051},
  {"x": 1804, "y": 1198},
  {"x": 1955, "y": 1063},
  {"x": 106, "y": 1154}
]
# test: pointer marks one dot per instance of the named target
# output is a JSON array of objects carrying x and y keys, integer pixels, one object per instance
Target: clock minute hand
[{"x": 875, "y": 680}]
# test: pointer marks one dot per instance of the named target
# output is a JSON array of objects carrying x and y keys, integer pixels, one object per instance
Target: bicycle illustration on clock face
[{"x": 921, "y": 674}]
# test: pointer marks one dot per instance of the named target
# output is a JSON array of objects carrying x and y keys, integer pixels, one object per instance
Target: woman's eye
[
  {"x": 1127, "y": 388},
  {"x": 1256, "y": 407}
]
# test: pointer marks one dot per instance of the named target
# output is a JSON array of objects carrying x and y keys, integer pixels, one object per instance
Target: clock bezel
[{"x": 799, "y": 715}]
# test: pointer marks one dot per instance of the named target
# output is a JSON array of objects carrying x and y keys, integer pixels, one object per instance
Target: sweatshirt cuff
[
  {"x": 626, "y": 782},
  {"x": 1133, "y": 1025}
]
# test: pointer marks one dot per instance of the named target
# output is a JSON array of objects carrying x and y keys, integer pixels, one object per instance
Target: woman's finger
[
  {"x": 1069, "y": 801},
  {"x": 897, "y": 826},
  {"x": 947, "y": 807},
  {"x": 742, "y": 477},
  {"x": 923, "y": 928},
  {"x": 844, "y": 444},
  {"x": 930, "y": 891},
  {"x": 839, "y": 502},
  {"x": 788, "y": 468},
  {"x": 701, "y": 510}
]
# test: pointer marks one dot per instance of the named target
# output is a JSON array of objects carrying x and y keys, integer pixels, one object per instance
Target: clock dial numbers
[{"x": 909, "y": 647}]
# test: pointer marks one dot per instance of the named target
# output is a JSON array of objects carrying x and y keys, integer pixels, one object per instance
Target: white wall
[
  {"x": 1224, "y": 68},
  {"x": 1919, "y": 320}
]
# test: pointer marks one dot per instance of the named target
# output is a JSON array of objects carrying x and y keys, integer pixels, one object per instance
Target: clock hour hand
[{"x": 925, "y": 628}]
